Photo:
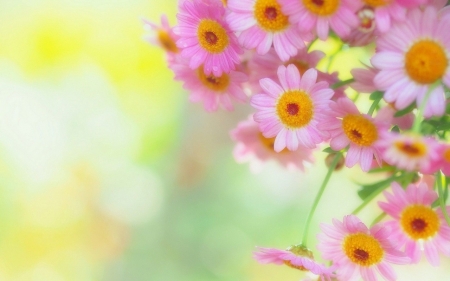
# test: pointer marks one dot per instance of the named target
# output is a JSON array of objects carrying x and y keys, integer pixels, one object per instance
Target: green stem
[
  {"x": 373, "y": 107},
  {"x": 378, "y": 219},
  {"x": 438, "y": 179},
  {"x": 342, "y": 83},
  {"x": 419, "y": 116},
  {"x": 318, "y": 196}
]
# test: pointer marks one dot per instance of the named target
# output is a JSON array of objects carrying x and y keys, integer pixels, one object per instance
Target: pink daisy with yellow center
[
  {"x": 252, "y": 146},
  {"x": 413, "y": 59},
  {"x": 212, "y": 90},
  {"x": 298, "y": 257},
  {"x": 347, "y": 126},
  {"x": 416, "y": 225},
  {"x": 357, "y": 251},
  {"x": 261, "y": 24},
  {"x": 291, "y": 111},
  {"x": 320, "y": 15},
  {"x": 410, "y": 152},
  {"x": 205, "y": 37}
]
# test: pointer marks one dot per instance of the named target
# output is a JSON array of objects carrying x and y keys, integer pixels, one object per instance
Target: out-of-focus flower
[
  {"x": 386, "y": 12},
  {"x": 408, "y": 151},
  {"x": 261, "y": 24},
  {"x": 387, "y": 114},
  {"x": 339, "y": 15},
  {"x": 291, "y": 112},
  {"x": 413, "y": 61},
  {"x": 205, "y": 37},
  {"x": 213, "y": 91},
  {"x": 364, "y": 79},
  {"x": 416, "y": 225},
  {"x": 162, "y": 35},
  {"x": 358, "y": 251},
  {"x": 252, "y": 146}
]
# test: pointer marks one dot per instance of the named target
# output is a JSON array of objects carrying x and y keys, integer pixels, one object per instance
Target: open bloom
[
  {"x": 212, "y": 90},
  {"x": 252, "y": 146},
  {"x": 291, "y": 112},
  {"x": 413, "y": 59},
  {"x": 386, "y": 11},
  {"x": 297, "y": 256},
  {"x": 347, "y": 126},
  {"x": 416, "y": 224},
  {"x": 358, "y": 251},
  {"x": 261, "y": 24},
  {"x": 408, "y": 151},
  {"x": 316, "y": 15},
  {"x": 205, "y": 37}
]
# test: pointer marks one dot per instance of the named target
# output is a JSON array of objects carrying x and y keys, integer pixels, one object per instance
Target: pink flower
[
  {"x": 442, "y": 162},
  {"x": 213, "y": 91},
  {"x": 321, "y": 15},
  {"x": 298, "y": 257},
  {"x": 291, "y": 112},
  {"x": 387, "y": 115},
  {"x": 252, "y": 146},
  {"x": 385, "y": 12},
  {"x": 416, "y": 225},
  {"x": 364, "y": 33},
  {"x": 364, "y": 79},
  {"x": 205, "y": 37},
  {"x": 261, "y": 24},
  {"x": 408, "y": 151},
  {"x": 162, "y": 36},
  {"x": 347, "y": 126},
  {"x": 358, "y": 251},
  {"x": 413, "y": 59}
]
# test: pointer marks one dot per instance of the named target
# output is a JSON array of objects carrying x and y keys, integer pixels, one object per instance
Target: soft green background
[{"x": 107, "y": 172}]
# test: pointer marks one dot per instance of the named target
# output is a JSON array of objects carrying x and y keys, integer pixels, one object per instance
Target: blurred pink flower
[
  {"x": 252, "y": 146},
  {"x": 416, "y": 224},
  {"x": 162, "y": 36}
]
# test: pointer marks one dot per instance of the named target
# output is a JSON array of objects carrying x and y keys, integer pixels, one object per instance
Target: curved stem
[
  {"x": 318, "y": 196},
  {"x": 342, "y": 83},
  {"x": 438, "y": 180},
  {"x": 373, "y": 107}
]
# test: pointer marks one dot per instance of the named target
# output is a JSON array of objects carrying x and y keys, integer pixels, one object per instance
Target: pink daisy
[
  {"x": 297, "y": 256},
  {"x": 291, "y": 112},
  {"x": 413, "y": 59},
  {"x": 440, "y": 163},
  {"x": 162, "y": 36},
  {"x": 387, "y": 115},
  {"x": 205, "y": 37},
  {"x": 410, "y": 152},
  {"x": 261, "y": 24},
  {"x": 210, "y": 89},
  {"x": 358, "y": 251},
  {"x": 364, "y": 79},
  {"x": 321, "y": 15},
  {"x": 252, "y": 146},
  {"x": 347, "y": 126},
  {"x": 416, "y": 225},
  {"x": 364, "y": 33},
  {"x": 386, "y": 11}
]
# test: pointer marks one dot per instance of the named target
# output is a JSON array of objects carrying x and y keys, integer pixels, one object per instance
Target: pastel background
[{"x": 107, "y": 172}]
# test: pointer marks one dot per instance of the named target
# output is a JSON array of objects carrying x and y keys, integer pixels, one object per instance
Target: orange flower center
[
  {"x": 360, "y": 130},
  {"x": 363, "y": 249},
  {"x": 322, "y": 7},
  {"x": 217, "y": 84},
  {"x": 419, "y": 222},
  {"x": 269, "y": 16},
  {"x": 295, "y": 109},
  {"x": 212, "y": 36}
]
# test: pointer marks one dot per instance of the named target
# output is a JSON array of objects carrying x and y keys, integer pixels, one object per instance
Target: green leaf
[
  {"x": 376, "y": 95},
  {"x": 329, "y": 150},
  {"x": 395, "y": 129},
  {"x": 370, "y": 189}
]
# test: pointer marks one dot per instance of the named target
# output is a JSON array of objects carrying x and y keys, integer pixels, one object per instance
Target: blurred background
[{"x": 107, "y": 172}]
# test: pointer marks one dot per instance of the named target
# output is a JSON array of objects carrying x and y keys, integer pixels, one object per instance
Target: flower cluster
[{"x": 263, "y": 53}]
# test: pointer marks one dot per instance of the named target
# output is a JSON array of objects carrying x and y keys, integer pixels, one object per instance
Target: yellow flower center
[
  {"x": 322, "y": 7},
  {"x": 360, "y": 130},
  {"x": 414, "y": 149},
  {"x": 167, "y": 42},
  {"x": 447, "y": 155},
  {"x": 363, "y": 249},
  {"x": 212, "y": 36},
  {"x": 295, "y": 109},
  {"x": 217, "y": 84},
  {"x": 419, "y": 222},
  {"x": 426, "y": 62},
  {"x": 377, "y": 3},
  {"x": 269, "y": 16}
]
